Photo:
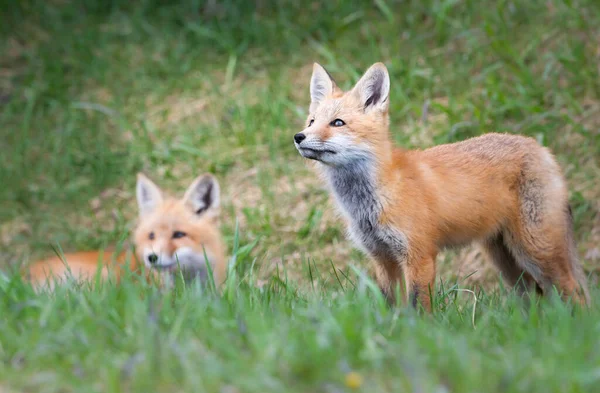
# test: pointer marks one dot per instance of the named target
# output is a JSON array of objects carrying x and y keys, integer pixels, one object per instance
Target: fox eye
[
  {"x": 337, "y": 123},
  {"x": 178, "y": 234},
  {"x": 151, "y": 236},
  {"x": 310, "y": 123}
]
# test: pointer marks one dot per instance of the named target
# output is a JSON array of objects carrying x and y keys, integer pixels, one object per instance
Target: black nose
[
  {"x": 152, "y": 258},
  {"x": 299, "y": 137}
]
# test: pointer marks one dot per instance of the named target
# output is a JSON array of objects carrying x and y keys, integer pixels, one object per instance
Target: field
[{"x": 93, "y": 92}]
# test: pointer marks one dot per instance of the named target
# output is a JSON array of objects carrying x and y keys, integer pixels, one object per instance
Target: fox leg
[
  {"x": 420, "y": 279},
  {"x": 512, "y": 273},
  {"x": 390, "y": 279}
]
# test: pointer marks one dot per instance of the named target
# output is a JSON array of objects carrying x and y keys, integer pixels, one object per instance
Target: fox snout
[
  {"x": 313, "y": 148},
  {"x": 158, "y": 260},
  {"x": 185, "y": 258}
]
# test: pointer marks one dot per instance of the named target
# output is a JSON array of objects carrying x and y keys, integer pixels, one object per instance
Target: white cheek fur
[
  {"x": 347, "y": 150},
  {"x": 188, "y": 257}
]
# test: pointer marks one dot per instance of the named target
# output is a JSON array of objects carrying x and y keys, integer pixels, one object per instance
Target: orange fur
[
  {"x": 505, "y": 191},
  {"x": 166, "y": 216}
]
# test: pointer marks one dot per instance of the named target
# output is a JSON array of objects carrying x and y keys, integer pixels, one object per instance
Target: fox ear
[
  {"x": 203, "y": 195},
  {"x": 148, "y": 195},
  {"x": 374, "y": 88},
  {"x": 321, "y": 86}
]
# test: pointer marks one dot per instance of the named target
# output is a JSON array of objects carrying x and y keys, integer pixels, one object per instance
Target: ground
[{"x": 91, "y": 93}]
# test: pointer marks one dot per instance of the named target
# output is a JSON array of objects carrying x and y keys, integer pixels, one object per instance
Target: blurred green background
[{"x": 92, "y": 92}]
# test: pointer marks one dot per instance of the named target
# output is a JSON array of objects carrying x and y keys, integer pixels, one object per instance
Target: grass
[
  {"x": 276, "y": 338},
  {"x": 91, "y": 93}
]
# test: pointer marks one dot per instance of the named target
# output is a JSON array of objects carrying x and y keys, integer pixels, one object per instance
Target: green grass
[
  {"x": 134, "y": 338},
  {"x": 92, "y": 92}
]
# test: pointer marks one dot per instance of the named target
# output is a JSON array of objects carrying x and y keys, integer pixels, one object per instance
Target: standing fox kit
[
  {"x": 402, "y": 207},
  {"x": 171, "y": 234}
]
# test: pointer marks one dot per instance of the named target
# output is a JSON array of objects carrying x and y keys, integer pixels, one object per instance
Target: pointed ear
[
  {"x": 321, "y": 86},
  {"x": 373, "y": 88},
  {"x": 148, "y": 195},
  {"x": 203, "y": 196}
]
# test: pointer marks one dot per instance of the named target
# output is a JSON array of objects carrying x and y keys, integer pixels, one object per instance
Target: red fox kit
[
  {"x": 170, "y": 234},
  {"x": 402, "y": 207}
]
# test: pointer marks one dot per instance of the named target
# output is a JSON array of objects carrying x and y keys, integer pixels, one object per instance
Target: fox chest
[
  {"x": 357, "y": 198},
  {"x": 379, "y": 241}
]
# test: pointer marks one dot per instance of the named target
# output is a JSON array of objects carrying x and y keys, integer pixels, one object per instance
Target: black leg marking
[
  {"x": 414, "y": 297},
  {"x": 388, "y": 295}
]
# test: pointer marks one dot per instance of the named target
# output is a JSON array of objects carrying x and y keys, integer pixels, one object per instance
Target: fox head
[
  {"x": 180, "y": 233},
  {"x": 344, "y": 127}
]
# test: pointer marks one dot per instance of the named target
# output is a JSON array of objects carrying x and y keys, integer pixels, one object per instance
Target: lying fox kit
[
  {"x": 402, "y": 207},
  {"x": 170, "y": 234}
]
